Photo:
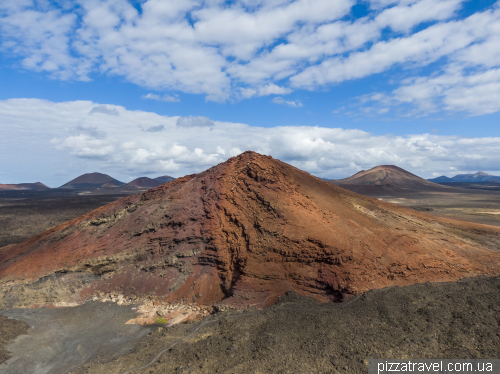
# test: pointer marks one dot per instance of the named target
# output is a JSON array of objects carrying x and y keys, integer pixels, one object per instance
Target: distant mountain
[
  {"x": 441, "y": 179},
  {"x": 144, "y": 182},
  {"x": 387, "y": 178},
  {"x": 91, "y": 181},
  {"x": 164, "y": 179},
  {"x": 25, "y": 186},
  {"x": 467, "y": 178}
]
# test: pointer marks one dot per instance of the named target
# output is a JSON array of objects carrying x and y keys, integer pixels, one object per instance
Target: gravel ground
[
  {"x": 298, "y": 335},
  {"x": 9, "y": 330},
  {"x": 62, "y": 339}
]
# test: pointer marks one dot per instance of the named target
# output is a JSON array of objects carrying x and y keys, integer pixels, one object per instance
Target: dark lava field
[
  {"x": 24, "y": 214},
  {"x": 299, "y": 335},
  {"x": 296, "y": 335}
]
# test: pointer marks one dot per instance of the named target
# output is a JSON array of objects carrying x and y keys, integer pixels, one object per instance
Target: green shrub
[{"x": 160, "y": 320}]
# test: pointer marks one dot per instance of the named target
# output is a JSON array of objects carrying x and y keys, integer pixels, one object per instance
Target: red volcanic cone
[{"x": 245, "y": 232}]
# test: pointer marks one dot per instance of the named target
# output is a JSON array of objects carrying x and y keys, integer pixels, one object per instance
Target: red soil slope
[
  {"x": 388, "y": 178},
  {"x": 246, "y": 231}
]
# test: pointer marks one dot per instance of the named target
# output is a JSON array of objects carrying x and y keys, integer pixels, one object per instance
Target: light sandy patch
[{"x": 170, "y": 314}]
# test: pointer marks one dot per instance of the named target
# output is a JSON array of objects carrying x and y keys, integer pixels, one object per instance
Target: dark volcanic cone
[
  {"x": 245, "y": 232},
  {"x": 144, "y": 182},
  {"x": 91, "y": 181},
  {"x": 388, "y": 178},
  {"x": 164, "y": 179}
]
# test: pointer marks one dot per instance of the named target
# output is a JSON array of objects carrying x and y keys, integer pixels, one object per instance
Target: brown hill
[
  {"x": 25, "y": 186},
  {"x": 164, "y": 179},
  {"x": 244, "y": 232},
  {"x": 91, "y": 181},
  {"x": 388, "y": 178},
  {"x": 143, "y": 182}
]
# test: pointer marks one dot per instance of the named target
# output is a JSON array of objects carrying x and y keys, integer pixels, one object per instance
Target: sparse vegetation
[{"x": 160, "y": 320}]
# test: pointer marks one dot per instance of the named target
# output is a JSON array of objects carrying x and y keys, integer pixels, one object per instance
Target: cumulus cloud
[
  {"x": 91, "y": 131},
  {"x": 280, "y": 100},
  {"x": 155, "y": 128},
  {"x": 268, "y": 89},
  {"x": 104, "y": 110},
  {"x": 273, "y": 89},
  {"x": 456, "y": 90},
  {"x": 167, "y": 98},
  {"x": 190, "y": 121},
  {"x": 250, "y": 48},
  {"x": 118, "y": 146}
]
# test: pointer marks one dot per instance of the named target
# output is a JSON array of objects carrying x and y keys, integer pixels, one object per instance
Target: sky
[{"x": 136, "y": 88}]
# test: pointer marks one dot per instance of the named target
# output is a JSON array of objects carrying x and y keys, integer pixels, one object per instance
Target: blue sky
[{"x": 133, "y": 88}]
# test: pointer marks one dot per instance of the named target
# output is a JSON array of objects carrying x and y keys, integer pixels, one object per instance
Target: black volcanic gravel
[{"x": 299, "y": 335}]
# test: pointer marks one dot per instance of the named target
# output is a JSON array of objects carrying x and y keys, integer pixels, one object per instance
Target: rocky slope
[
  {"x": 243, "y": 233},
  {"x": 388, "y": 178}
]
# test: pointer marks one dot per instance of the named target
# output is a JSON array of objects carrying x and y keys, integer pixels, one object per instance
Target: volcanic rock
[
  {"x": 388, "y": 178},
  {"x": 91, "y": 181},
  {"x": 25, "y": 186},
  {"x": 243, "y": 233},
  {"x": 164, "y": 179},
  {"x": 144, "y": 182}
]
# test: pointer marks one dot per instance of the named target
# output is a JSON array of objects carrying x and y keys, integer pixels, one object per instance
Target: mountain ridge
[{"x": 480, "y": 176}]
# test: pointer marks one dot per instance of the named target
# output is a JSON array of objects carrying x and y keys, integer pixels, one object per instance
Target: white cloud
[
  {"x": 272, "y": 89},
  {"x": 152, "y": 97},
  {"x": 280, "y": 100},
  {"x": 189, "y": 122},
  {"x": 117, "y": 145},
  {"x": 455, "y": 90},
  {"x": 167, "y": 98},
  {"x": 268, "y": 89},
  {"x": 157, "y": 128},
  {"x": 103, "y": 109},
  {"x": 250, "y": 48}
]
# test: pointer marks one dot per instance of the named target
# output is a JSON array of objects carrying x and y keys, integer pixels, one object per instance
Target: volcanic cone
[{"x": 243, "y": 233}]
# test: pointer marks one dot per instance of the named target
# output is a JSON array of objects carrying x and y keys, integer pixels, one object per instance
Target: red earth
[{"x": 246, "y": 231}]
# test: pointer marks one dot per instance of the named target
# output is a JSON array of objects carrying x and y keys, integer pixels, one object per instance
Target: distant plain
[{"x": 479, "y": 206}]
